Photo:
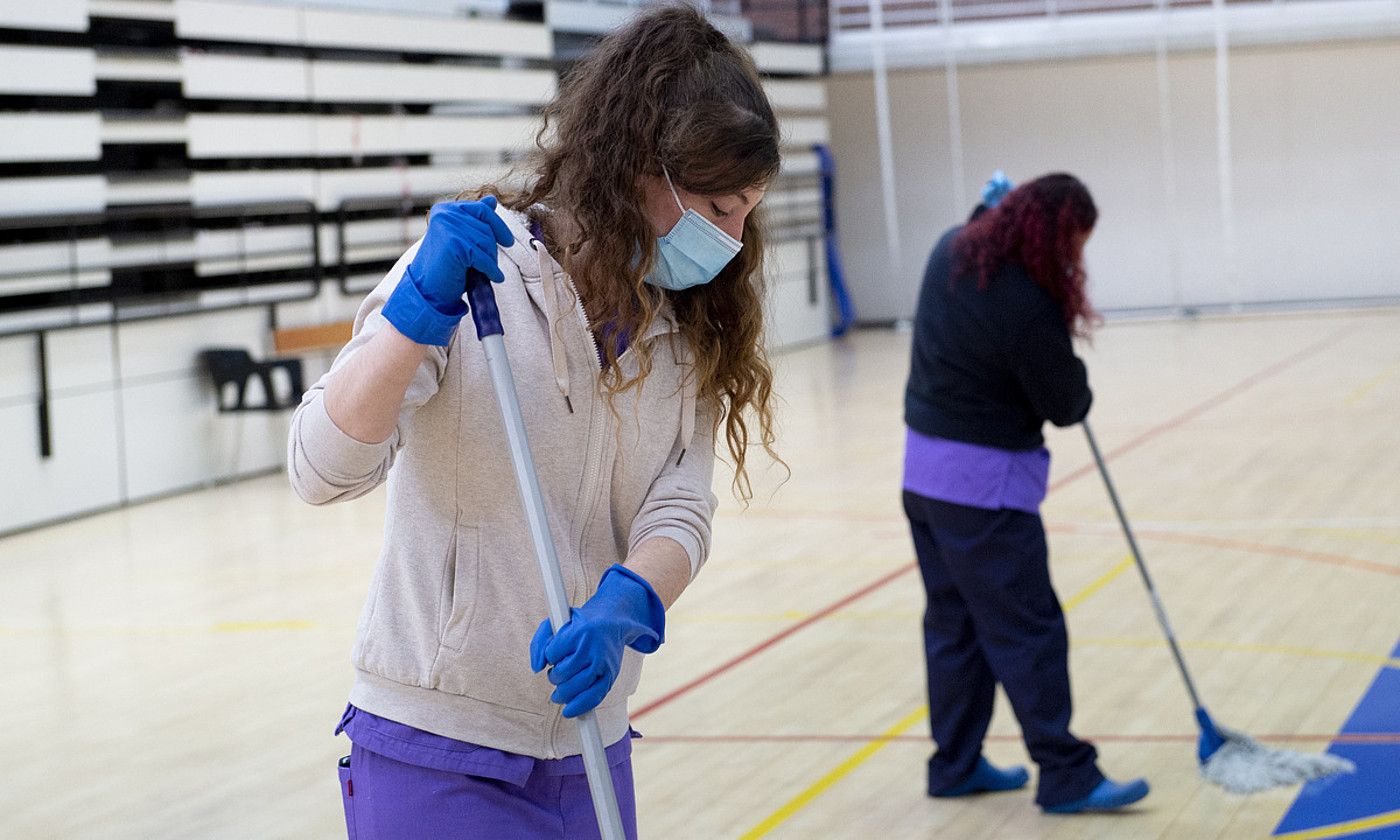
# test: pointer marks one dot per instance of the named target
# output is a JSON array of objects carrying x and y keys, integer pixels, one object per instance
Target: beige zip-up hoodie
[{"x": 443, "y": 641}]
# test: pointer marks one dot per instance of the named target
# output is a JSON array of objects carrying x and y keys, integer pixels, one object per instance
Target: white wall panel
[
  {"x": 797, "y": 162},
  {"x": 31, "y": 136},
  {"x": 335, "y": 187},
  {"x": 253, "y": 135},
  {"x": 253, "y": 242},
  {"x": 217, "y": 76},
  {"x": 18, "y": 367},
  {"x": 357, "y": 81},
  {"x": 794, "y": 318},
  {"x": 210, "y": 188},
  {"x": 171, "y": 345},
  {"x": 329, "y": 187},
  {"x": 61, "y": 316},
  {"x": 53, "y": 15},
  {"x": 143, "y": 129},
  {"x": 369, "y": 30},
  {"x": 176, "y": 439},
  {"x": 84, "y": 254},
  {"x": 60, "y": 194},
  {"x": 36, "y": 71},
  {"x": 47, "y": 282},
  {"x": 803, "y": 131},
  {"x": 375, "y": 239},
  {"x": 804, "y": 59},
  {"x": 796, "y": 94},
  {"x": 166, "y": 190},
  {"x": 259, "y": 23},
  {"x": 169, "y": 428},
  {"x": 263, "y": 23},
  {"x": 81, "y": 475},
  {"x": 80, "y": 359},
  {"x": 385, "y": 135},
  {"x": 161, "y": 10}
]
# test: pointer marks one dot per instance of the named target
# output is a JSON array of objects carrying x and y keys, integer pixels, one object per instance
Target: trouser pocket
[{"x": 347, "y": 796}]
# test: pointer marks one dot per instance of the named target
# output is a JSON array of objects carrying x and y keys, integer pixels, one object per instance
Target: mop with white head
[{"x": 1230, "y": 759}]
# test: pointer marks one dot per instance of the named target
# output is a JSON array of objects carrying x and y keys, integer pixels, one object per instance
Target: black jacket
[{"x": 992, "y": 365}]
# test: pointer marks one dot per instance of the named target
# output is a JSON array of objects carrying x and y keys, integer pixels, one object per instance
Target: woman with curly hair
[
  {"x": 992, "y": 362},
  {"x": 629, "y": 270}
]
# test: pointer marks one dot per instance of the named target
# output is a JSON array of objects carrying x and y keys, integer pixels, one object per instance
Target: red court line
[
  {"x": 1274, "y": 550},
  {"x": 1243, "y": 385},
  {"x": 1236, "y": 545},
  {"x": 1324, "y": 737},
  {"x": 769, "y": 642}
]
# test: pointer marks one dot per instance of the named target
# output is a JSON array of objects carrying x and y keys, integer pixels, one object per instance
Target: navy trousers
[{"x": 993, "y": 617}]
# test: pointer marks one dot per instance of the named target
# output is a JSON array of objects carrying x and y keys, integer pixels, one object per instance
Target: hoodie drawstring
[{"x": 554, "y": 310}]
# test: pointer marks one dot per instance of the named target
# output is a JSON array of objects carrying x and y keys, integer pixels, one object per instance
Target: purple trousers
[{"x": 387, "y": 799}]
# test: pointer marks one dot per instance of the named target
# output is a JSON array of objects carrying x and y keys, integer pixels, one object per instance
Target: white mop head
[{"x": 1243, "y": 765}]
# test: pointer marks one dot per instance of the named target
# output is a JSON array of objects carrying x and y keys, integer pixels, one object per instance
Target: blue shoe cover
[
  {"x": 1108, "y": 796},
  {"x": 987, "y": 779}
]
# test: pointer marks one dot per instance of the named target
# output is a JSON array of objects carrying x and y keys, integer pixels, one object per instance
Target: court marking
[
  {"x": 1364, "y": 802},
  {"x": 834, "y": 775},
  {"x": 1099, "y": 583},
  {"x": 687, "y": 687},
  {"x": 1369, "y": 385},
  {"x": 1208, "y": 541},
  {"x": 1343, "y": 829}
]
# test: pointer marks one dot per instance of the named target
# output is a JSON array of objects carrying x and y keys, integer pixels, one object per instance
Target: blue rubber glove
[
  {"x": 996, "y": 189},
  {"x": 427, "y": 304},
  {"x": 586, "y": 653}
]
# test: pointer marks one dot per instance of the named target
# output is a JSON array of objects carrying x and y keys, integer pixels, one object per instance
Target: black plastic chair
[{"x": 235, "y": 365}]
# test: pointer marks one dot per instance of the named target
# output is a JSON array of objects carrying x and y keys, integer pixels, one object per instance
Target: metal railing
[{"x": 156, "y": 262}]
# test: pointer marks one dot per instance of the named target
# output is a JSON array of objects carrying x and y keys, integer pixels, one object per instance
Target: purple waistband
[
  {"x": 975, "y": 476},
  {"x": 410, "y": 745}
]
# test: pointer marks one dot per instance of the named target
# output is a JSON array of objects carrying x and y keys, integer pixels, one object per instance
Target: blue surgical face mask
[{"x": 693, "y": 253}]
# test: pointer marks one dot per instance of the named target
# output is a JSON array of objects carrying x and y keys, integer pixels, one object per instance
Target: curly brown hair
[{"x": 666, "y": 90}]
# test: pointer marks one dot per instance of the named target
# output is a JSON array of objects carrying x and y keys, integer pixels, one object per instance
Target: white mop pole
[{"x": 492, "y": 335}]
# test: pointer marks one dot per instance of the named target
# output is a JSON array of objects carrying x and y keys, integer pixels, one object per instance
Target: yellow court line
[
  {"x": 255, "y": 626},
  {"x": 797, "y": 803},
  {"x": 841, "y": 770},
  {"x": 1099, "y": 583},
  {"x": 1343, "y": 829},
  {"x": 1355, "y": 396}
]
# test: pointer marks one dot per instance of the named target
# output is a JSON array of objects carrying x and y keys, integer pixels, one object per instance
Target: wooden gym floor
[{"x": 174, "y": 670}]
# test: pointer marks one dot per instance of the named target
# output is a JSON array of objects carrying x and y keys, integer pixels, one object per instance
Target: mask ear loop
[{"x": 672, "y": 186}]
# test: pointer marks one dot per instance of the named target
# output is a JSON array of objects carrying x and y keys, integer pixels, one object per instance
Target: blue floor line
[{"x": 1375, "y": 786}]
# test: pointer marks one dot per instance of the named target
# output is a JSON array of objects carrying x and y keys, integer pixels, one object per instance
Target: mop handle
[
  {"x": 1142, "y": 566},
  {"x": 489, "y": 330}
]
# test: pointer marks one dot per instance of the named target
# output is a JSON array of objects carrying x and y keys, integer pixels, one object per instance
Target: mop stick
[
  {"x": 1228, "y": 758},
  {"x": 1211, "y": 739},
  {"x": 489, "y": 330}
]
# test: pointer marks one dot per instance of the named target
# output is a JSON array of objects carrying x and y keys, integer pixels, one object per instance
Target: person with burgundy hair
[{"x": 993, "y": 360}]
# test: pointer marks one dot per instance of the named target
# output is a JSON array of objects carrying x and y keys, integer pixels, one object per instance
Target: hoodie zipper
[{"x": 592, "y": 472}]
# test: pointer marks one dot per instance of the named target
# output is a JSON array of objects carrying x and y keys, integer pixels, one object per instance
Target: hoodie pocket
[
  {"x": 460, "y": 589},
  {"x": 485, "y": 651}
]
